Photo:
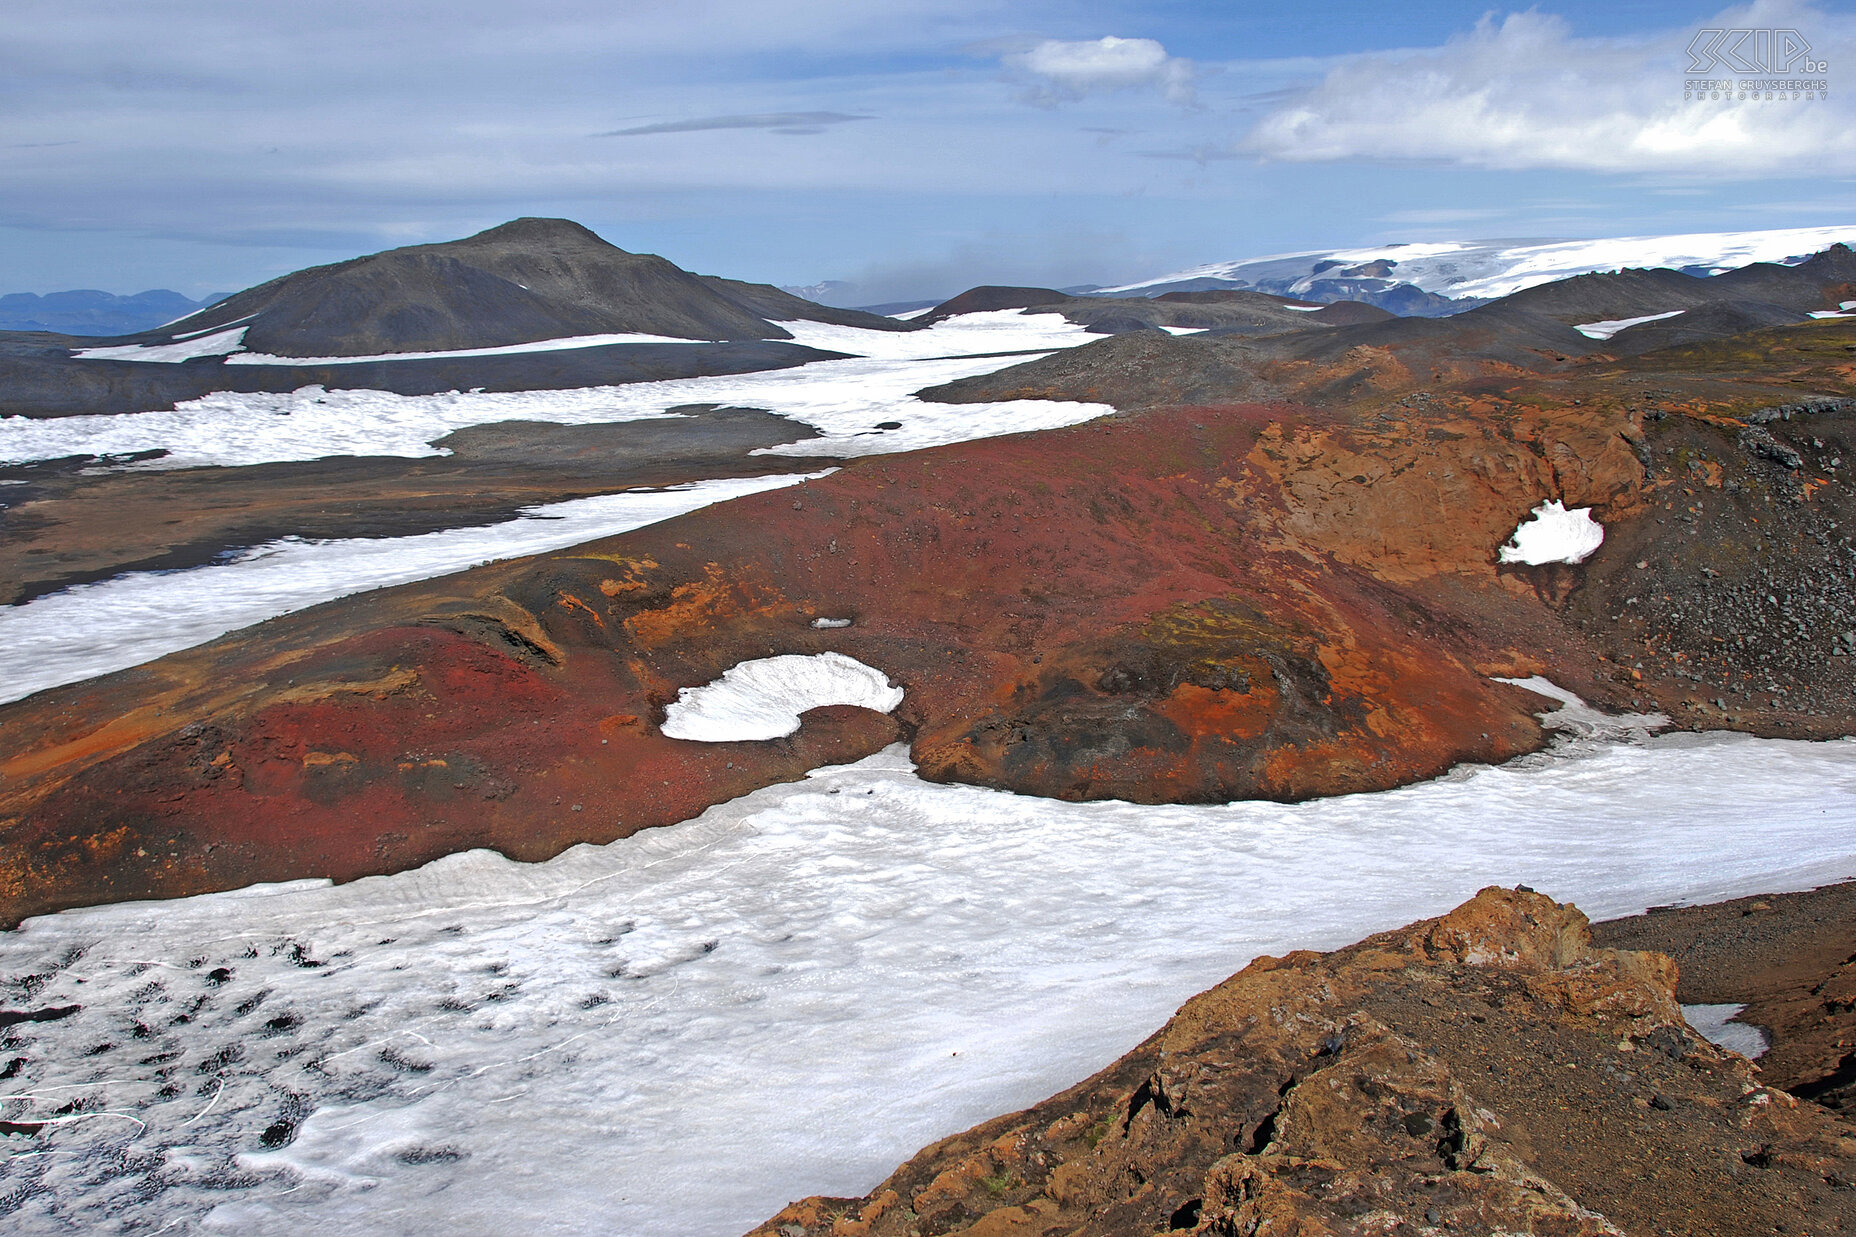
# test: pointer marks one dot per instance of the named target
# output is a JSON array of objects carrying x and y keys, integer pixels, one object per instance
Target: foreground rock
[{"x": 1485, "y": 1072}]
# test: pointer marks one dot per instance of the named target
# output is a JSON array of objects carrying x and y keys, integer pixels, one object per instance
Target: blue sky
[{"x": 910, "y": 149}]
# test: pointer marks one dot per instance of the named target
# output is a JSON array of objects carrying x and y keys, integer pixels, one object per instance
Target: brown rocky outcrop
[{"x": 1485, "y": 1072}]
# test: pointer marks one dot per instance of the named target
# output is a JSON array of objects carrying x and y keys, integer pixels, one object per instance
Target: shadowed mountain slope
[{"x": 528, "y": 280}]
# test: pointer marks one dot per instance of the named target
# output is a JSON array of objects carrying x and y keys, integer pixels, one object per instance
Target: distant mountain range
[
  {"x": 86, "y": 311},
  {"x": 1435, "y": 278}
]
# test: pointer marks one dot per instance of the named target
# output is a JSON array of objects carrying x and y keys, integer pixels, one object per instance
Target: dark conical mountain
[{"x": 520, "y": 282}]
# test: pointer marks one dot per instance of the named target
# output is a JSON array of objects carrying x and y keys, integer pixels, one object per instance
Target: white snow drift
[
  {"x": 1554, "y": 535},
  {"x": 789, "y": 995},
  {"x": 763, "y": 699},
  {"x": 567, "y": 344},
  {"x": 1611, "y": 326},
  {"x": 1580, "y": 720},
  {"x": 186, "y": 347}
]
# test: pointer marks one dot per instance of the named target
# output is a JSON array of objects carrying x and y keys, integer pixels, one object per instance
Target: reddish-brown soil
[
  {"x": 1180, "y": 604},
  {"x": 1485, "y": 1072}
]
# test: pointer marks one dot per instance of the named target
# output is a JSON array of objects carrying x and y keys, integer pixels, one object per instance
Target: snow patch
[
  {"x": 111, "y": 625},
  {"x": 826, "y": 623},
  {"x": 1715, "y": 1023},
  {"x": 1611, "y": 326},
  {"x": 207, "y": 329},
  {"x": 1554, "y": 535},
  {"x": 989, "y": 332},
  {"x": 218, "y": 343},
  {"x": 541, "y": 345},
  {"x": 679, "y": 1032},
  {"x": 763, "y": 699}
]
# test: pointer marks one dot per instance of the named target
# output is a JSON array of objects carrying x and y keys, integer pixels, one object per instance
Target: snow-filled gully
[{"x": 679, "y": 1032}]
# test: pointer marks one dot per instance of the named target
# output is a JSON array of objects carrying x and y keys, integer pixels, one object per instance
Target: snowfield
[
  {"x": 788, "y": 995},
  {"x": 848, "y": 401},
  {"x": 1715, "y": 1023},
  {"x": 1489, "y": 269}
]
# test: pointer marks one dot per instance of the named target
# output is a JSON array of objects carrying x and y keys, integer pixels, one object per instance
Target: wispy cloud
[
  {"x": 1522, "y": 92},
  {"x": 778, "y": 122},
  {"x": 1201, "y": 154},
  {"x": 1070, "y": 70}
]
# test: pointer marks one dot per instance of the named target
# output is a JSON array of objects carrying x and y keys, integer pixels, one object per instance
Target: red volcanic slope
[{"x": 1186, "y": 604}]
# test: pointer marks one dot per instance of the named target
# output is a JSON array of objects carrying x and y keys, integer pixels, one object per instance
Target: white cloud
[
  {"x": 1522, "y": 92},
  {"x": 1074, "y": 69}
]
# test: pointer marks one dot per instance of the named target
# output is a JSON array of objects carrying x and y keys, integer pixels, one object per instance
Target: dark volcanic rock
[
  {"x": 1248, "y": 313},
  {"x": 989, "y": 297},
  {"x": 1485, "y": 1072},
  {"x": 1136, "y": 370},
  {"x": 1350, "y": 313}
]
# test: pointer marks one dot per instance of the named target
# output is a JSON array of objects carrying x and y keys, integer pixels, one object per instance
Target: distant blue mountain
[{"x": 89, "y": 312}]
